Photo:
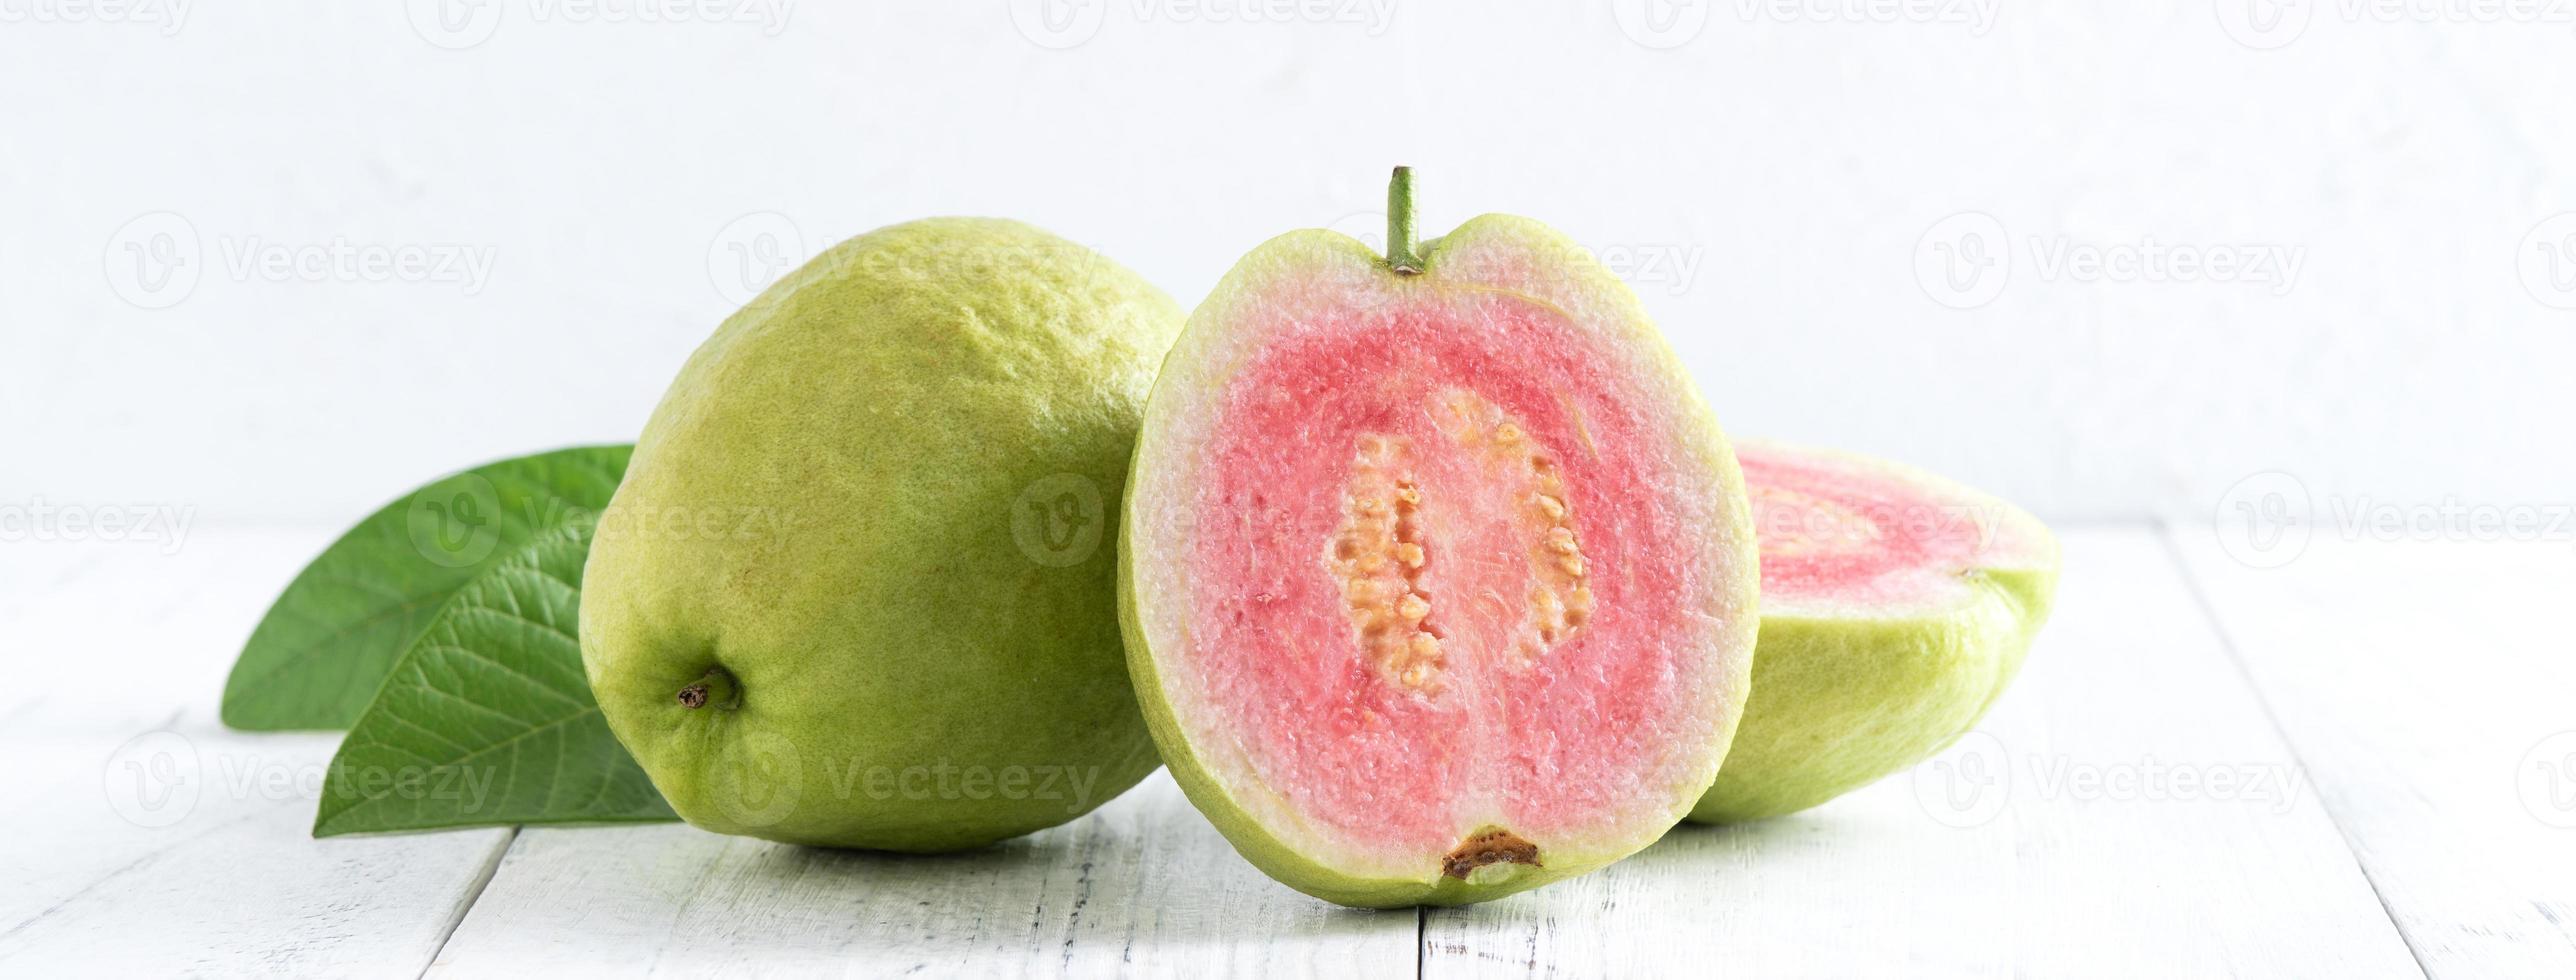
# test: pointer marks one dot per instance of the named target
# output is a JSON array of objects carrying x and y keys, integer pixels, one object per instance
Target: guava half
[
  {"x": 858, "y": 587},
  {"x": 1896, "y": 605},
  {"x": 1438, "y": 580}
]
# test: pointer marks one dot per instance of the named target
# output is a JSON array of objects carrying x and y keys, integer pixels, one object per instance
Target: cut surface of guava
[
  {"x": 1437, "y": 586},
  {"x": 1896, "y": 605}
]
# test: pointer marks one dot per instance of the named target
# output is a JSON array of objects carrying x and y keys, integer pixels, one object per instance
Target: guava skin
[
  {"x": 872, "y": 522},
  {"x": 1471, "y": 253},
  {"x": 1841, "y": 701}
]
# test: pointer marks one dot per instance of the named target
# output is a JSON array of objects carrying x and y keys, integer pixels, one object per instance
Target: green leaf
[
  {"x": 488, "y": 719},
  {"x": 333, "y": 636}
]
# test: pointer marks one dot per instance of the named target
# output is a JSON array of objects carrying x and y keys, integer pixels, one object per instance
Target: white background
[
  {"x": 1864, "y": 223},
  {"x": 1780, "y": 183}
]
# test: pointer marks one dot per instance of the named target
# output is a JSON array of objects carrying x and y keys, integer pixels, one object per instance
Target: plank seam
[
  {"x": 2199, "y": 592},
  {"x": 473, "y": 896},
  {"x": 1421, "y": 942}
]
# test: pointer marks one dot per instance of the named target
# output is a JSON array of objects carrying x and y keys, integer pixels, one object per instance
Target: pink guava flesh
[
  {"x": 1843, "y": 531},
  {"x": 1444, "y": 576}
]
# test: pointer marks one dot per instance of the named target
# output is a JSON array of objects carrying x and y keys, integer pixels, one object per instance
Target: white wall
[{"x": 1803, "y": 169}]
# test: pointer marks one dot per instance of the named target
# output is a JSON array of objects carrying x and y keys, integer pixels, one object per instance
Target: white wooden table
[{"x": 2360, "y": 764}]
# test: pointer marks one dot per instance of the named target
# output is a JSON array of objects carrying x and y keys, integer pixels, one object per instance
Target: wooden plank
[
  {"x": 2431, "y": 687},
  {"x": 186, "y": 851},
  {"x": 2106, "y": 820},
  {"x": 1142, "y": 887},
  {"x": 162, "y": 619},
  {"x": 2083, "y": 850},
  {"x": 138, "y": 837}
]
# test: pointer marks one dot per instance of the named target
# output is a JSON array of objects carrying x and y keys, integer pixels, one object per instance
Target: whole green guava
[{"x": 858, "y": 588}]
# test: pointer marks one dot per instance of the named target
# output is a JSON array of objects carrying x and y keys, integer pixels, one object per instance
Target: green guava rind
[
  {"x": 849, "y": 501},
  {"x": 1841, "y": 700},
  {"x": 1491, "y": 251}
]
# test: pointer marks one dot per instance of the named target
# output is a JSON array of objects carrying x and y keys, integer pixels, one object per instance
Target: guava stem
[
  {"x": 716, "y": 688},
  {"x": 1399, "y": 224}
]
